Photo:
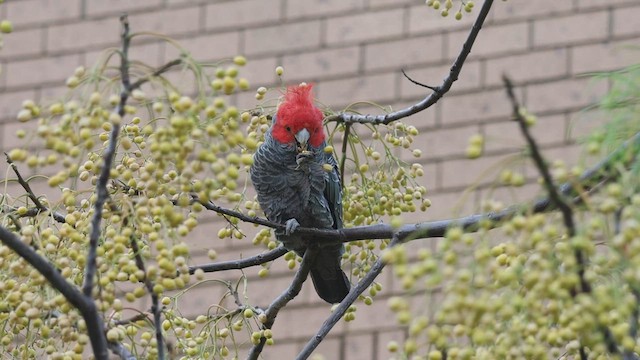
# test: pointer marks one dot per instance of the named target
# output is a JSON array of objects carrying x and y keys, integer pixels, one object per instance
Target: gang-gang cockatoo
[{"x": 298, "y": 184}]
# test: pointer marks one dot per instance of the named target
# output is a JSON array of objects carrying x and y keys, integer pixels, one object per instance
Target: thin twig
[
  {"x": 343, "y": 158},
  {"x": 417, "y": 82},
  {"x": 292, "y": 291},
  {"x": 25, "y": 185},
  {"x": 438, "y": 91},
  {"x": 341, "y": 309},
  {"x": 156, "y": 310},
  {"x": 241, "y": 263},
  {"x": 101, "y": 186},
  {"x": 159, "y": 71}
]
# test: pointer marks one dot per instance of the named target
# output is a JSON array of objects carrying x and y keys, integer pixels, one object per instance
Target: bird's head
[{"x": 298, "y": 120}]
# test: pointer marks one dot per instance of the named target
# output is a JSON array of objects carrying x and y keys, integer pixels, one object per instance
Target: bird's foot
[{"x": 290, "y": 226}]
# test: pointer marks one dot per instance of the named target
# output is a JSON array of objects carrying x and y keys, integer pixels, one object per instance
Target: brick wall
[{"x": 353, "y": 50}]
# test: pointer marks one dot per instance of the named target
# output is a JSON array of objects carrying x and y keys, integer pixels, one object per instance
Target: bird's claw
[{"x": 290, "y": 226}]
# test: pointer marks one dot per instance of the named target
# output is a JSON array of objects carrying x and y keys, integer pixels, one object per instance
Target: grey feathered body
[{"x": 293, "y": 186}]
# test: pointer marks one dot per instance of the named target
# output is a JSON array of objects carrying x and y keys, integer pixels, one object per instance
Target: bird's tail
[{"x": 331, "y": 283}]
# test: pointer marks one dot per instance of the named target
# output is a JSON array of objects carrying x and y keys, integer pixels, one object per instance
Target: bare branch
[
  {"x": 86, "y": 306},
  {"x": 241, "y": 263},
  {"x": 556, "y": 198},
  {"x": 121, "y": 351},
  {"x": 101, "y": 186},
  {"x": 25, "y": 185},
  {"x": 159, "y": 71},
  {"x": 155, "y": 307},
  {"x": 281, "y": 301},
  {"x": 339, "y": 311},
  {"x": 438, "y": 92}
]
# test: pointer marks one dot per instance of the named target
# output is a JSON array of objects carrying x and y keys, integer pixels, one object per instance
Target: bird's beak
[{"x": 302, "y": 138}]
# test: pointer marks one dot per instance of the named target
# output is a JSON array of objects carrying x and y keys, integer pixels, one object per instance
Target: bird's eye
[{"x": 288, "y": 128}]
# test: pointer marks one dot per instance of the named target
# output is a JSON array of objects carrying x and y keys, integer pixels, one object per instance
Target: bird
[{"x": 298, "y": 184}]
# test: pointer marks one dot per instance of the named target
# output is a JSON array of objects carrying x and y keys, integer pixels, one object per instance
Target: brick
[
  {"x": 23, "y": 43},
  {"x": 533, "y": 66},
  {"x": 316, "y": 8},
  {"x": 316, "y": 64},
  {"x": 25, "y": 12},
  {"x": 11, "y": 141},
  {"x": 466, "y": 172},
  {"x": 296, "y": 36},
  {"x": 625, "y": 21},
  {"x": 84, "y": 35},
  {"x": 476, "y": 107},
  {"x": 403, "y": 53},
  {"x": 50, "y": 69},
  {"x": 385, "y": 3},
  {"x": 280, "y": 351},
  {"x": 585, "y": 123},
  {"x": 206, "y": 47},
  {"x": 261, "y": 72},
  {"x": 564, "y": 95},
  {"x": 603, "y": 57},
  {"x": 289, "y": 325},
  {"x": 527, "y": 9},
  {"x": 423, "y": 19},
  {"x": 359, "y": 347},
  {"x": 571, "y": 29},
  {"x": 367, "y": 26},
  {"x": 589, "y": 4},
  {"x": 167, "y": 22},
  {"x": 100, "y": 7},
  {"x": 491, "y": 41},
  {"x": 376, "y": 88},
  {"x": 242, "y": 13},
  {"x": 49, "y": 94},
  {"x": 469, "y": 78},
  {"x": 10, "y": 102},
  {"x": 384, "y": 338},
  {"x": 328, "y": 349},
  {"x": 506, "y": 135},
  {"x": 149, "y": 54},
  {"x": 445, "y": 142}
]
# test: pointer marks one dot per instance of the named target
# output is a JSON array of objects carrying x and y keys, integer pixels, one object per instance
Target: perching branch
[
  {"x": 281, "y": 301},
  {"x": 438, "y": 91},
  {"x": 557, "y": 200},
  {"x": 241, "y": 263},
  {"x": 601, "y": 172},
  {"x": 339, "y": 311},
  {"x": 101, "y": 185}
]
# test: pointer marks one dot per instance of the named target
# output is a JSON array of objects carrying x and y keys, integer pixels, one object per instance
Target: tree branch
[
  {"x": 101, "y": 186},
  {"x": 25, "y": 185},
  {"x": 281, "y": 301},
  {"x": 242, "y": 263},
  {"x": 339, "y": 311},
  {"x": 86, "y": 306},
  {"x": 121, "y": 351},
  {"x": 159, "y": 71},
  {"x": 155, "y": 307},
  {"x": 438, "y": 92},
  {"x": 558, "y": 201}
]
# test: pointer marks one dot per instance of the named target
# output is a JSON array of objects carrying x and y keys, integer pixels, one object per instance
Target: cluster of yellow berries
[{"x": 466, "y": 6}]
